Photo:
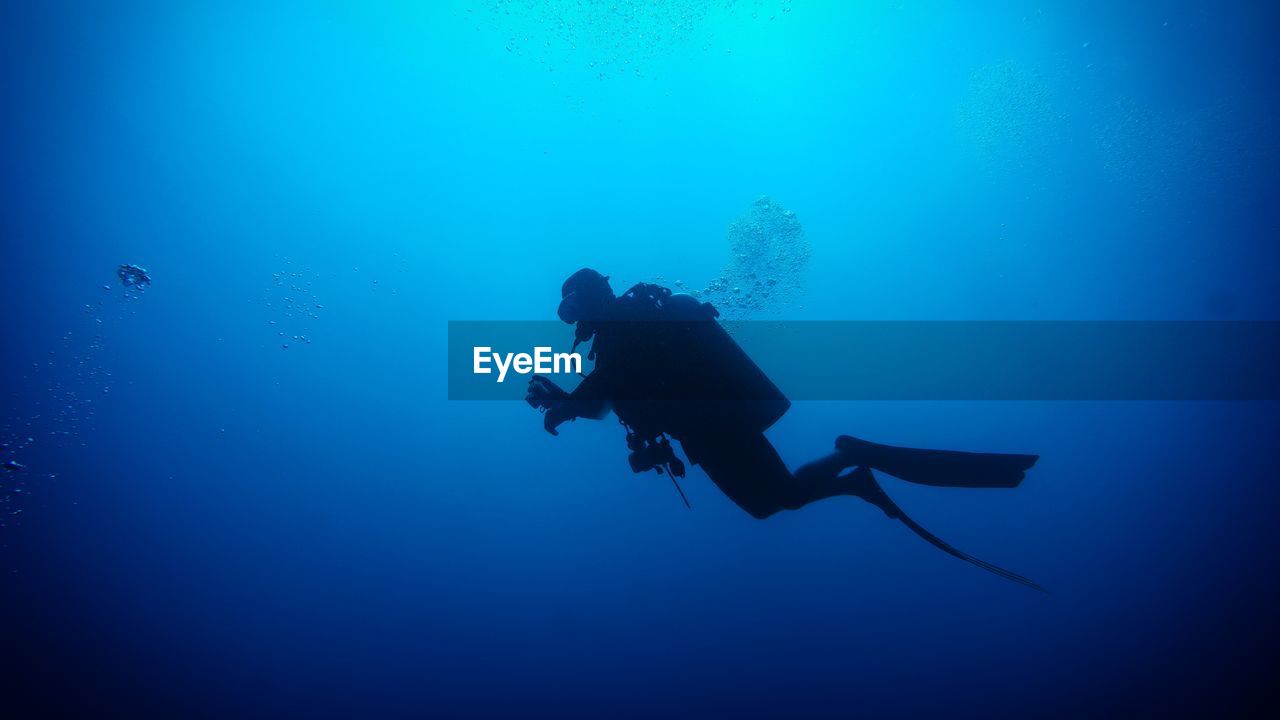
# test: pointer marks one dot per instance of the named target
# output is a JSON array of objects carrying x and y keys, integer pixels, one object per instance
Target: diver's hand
[
  {"x": 555, "y": 415},
  {"x": 544, "y": 394}
]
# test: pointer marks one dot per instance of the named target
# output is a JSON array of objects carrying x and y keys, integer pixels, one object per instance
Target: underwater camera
[
  {"x": 543, "y": 394},
  {"x": 656, "y": 454}
]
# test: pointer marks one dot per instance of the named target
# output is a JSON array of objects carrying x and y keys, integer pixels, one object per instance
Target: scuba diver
[{"x": 667, "y": 369}]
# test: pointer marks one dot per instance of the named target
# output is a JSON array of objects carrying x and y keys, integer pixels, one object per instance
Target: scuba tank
[{"x": 690, "y": 377}]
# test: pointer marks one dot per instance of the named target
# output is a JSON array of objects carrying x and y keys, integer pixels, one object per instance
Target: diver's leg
[
  {"x": 746, "y": 468},
  {"x": 749, "y": 471}
]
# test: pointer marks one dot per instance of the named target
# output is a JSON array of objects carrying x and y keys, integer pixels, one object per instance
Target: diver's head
[{"x": 586, "y": 295}]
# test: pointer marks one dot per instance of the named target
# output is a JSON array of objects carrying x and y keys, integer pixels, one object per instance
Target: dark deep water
[{"x": 213, "y": 525}]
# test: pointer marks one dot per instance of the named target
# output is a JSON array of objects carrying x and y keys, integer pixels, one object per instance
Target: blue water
[{"x": 213, "y": 525}]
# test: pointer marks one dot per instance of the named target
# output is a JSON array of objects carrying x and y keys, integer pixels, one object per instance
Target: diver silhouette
[{"x": 666, "y": 367}]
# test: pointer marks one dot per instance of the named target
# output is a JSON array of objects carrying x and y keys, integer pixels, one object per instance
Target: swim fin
[
  {"x": 866, "y": 487},
  {"x": 940, "y": 468}
]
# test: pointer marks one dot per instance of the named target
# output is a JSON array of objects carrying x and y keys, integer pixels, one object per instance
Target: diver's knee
[
  {"x": 794, "y": 503},
  {"x": 761, "y": 511}
]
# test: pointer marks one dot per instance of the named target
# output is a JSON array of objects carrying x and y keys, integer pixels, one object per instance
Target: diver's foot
[
  {"x": 850, "y": 451},
  {"x": 862, "y": 483},
  {"x": 855, "y": 450},
  {"x": 849, "y": 442}
]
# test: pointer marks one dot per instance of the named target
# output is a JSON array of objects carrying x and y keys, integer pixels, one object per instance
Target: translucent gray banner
[{"x": 908, "y": 360}]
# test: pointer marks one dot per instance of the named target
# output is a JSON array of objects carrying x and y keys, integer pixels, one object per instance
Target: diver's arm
[{"x": 589, "y": 400}]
